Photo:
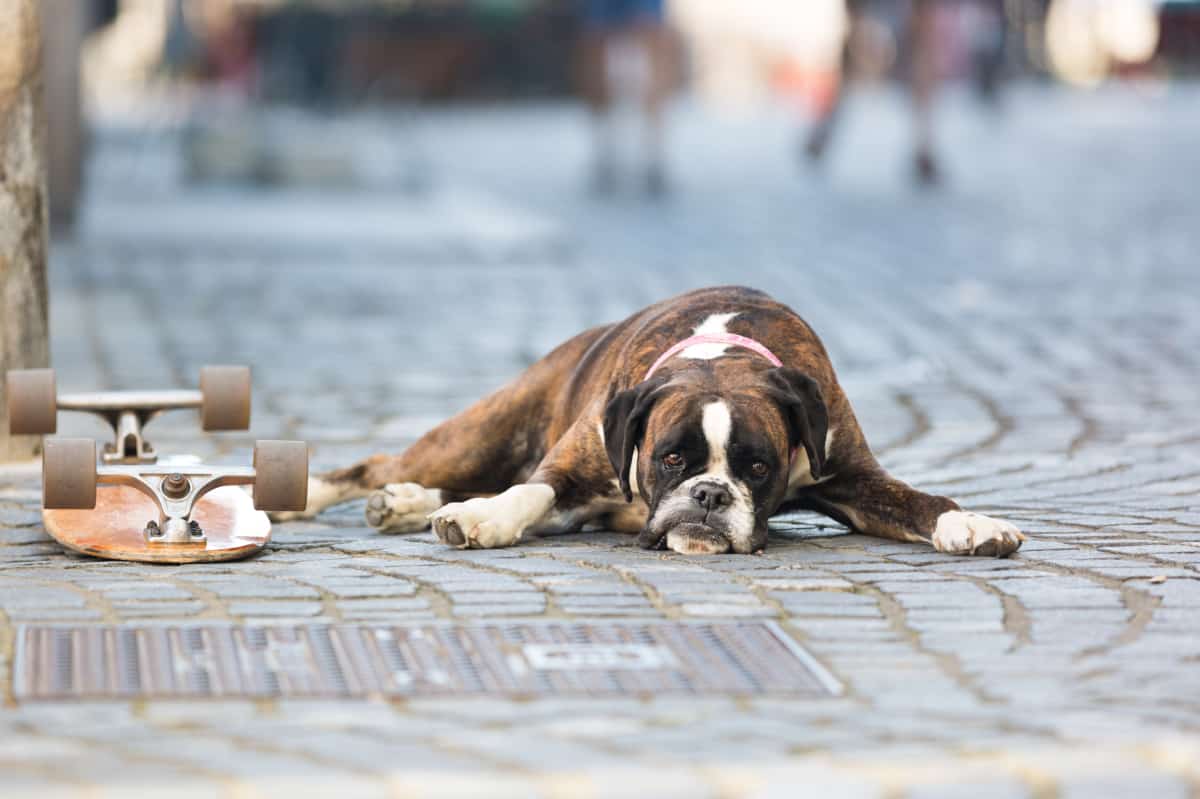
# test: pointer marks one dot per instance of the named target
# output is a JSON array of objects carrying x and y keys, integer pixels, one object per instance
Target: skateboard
[{"x": 130, "y": 503}]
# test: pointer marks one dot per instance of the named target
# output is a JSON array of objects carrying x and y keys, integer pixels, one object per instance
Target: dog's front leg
[
  {"x": 499, "y": 521},
  {"x": 572, "y": 485},
  {"x": 877, "y": 504}
]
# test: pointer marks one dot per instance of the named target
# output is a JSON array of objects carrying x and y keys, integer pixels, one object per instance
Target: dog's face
[{"x": 711, "y": 453}]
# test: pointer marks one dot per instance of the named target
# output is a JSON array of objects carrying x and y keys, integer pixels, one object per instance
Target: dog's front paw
[
  {"x": 402, "y": 507},
  {"x": 499, "y": 521},
  {"x": 475, "y": 524},
  {"x": 964, "y": 533}
]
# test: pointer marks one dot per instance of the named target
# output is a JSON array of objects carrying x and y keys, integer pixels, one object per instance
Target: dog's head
[{"x": 711, "y": 452}]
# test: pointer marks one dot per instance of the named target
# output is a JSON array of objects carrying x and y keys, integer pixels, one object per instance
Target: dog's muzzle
[{"x": 698, "y": 519}]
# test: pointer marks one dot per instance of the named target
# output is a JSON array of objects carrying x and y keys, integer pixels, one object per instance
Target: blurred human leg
[
  {"x": 923, "y": 86},
  {"x": 597, "y": 91},
  {"x": 822, "y": 129},
  {"x": 642, "y": 24},
  {"x": 656, "y": 43}
]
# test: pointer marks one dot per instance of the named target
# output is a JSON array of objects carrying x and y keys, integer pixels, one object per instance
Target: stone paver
[{"x": 1026, "y": 341}]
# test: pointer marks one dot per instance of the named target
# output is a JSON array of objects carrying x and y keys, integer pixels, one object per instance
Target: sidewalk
[{"x": 1026, "y": 341}]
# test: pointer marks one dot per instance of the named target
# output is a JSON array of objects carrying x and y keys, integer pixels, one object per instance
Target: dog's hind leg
[
  {"x": 465, "y": 456},
  {"x": 494, "y": 444}
]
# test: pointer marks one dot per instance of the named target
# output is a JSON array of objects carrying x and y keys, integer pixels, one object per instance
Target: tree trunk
[
  {"x": 62, "y": 43},
  {"x": 23, "y": 215}
]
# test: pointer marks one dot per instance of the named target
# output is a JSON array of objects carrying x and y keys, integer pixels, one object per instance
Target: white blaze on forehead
[
  {"x": 717, "y": 425},
  {"x": 738, "y": 518},
  {"x": 714, "y": 324}
]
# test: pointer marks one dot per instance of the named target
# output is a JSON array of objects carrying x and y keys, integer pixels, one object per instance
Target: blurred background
[
  {"x": 390, "y": 207},
  {"x": 257, "y": 91}
]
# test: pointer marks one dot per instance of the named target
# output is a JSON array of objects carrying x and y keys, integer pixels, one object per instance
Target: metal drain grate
[{"x": 343, "y": 660}]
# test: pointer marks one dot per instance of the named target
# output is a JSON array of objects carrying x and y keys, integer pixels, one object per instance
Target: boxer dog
[{"x": 691, "y": 423}]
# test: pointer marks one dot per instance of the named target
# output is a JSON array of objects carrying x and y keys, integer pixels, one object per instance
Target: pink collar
[{"x": 731, "y": 339}]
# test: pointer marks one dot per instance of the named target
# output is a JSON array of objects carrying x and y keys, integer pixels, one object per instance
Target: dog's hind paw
[
  {"x": 402, "y": 507},
  {"x": 321, "y": 495}
]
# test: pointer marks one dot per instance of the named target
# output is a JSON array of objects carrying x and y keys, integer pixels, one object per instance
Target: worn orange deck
[{"x": 114, "y": 529}]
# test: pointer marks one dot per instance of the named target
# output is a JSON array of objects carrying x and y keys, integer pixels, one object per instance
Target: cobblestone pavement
[{"x": 1025, "y": 341}]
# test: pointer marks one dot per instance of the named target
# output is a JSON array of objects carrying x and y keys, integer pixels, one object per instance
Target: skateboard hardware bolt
[
  {"x": 194, "y": 529},
  {"x": 176, "y": 486},
  {"x": 152, "y": 530}
]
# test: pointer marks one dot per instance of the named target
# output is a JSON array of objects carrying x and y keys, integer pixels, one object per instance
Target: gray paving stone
[
  {"x": 266, "y": 608},
  {"x": 164, "y": 608},
  {"x": 254, "y": 589},
  {"x": 39, "y": 596},
  {"x": 18, "y": 516},
  {"x": 22, "y": 535},
  {"x": 515, "y": 609},
  {"x": 576, "y": 603},
  {"x": 31, "y": 614},
  {"x": 726, "y": 610},
  {"x": 495, "y": 597}
]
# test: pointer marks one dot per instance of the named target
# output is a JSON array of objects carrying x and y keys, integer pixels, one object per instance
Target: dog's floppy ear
[
  {"x": 804, "y": 408},
  {"x": 624, "y": 424}
]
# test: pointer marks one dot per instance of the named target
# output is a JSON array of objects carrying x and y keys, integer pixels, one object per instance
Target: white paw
[
  {"x": 964, "y": 533},
  {"x": 498, "y": 521},
  {"x": 474, "y": 524},
  {"x": 291, "y": 515},
  {"x": 402, "y": 507}
]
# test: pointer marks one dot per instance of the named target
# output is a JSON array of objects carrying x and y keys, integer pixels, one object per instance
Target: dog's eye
[
  {"x": 760, "y": 469},
  {"x": 673, "y": 460}
]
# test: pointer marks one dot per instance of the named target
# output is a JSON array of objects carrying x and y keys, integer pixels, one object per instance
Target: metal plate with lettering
[{"x": 202, "y": 660}]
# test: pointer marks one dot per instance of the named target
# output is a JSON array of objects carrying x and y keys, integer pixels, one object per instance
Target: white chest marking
[{"x": 714, "y": 324}]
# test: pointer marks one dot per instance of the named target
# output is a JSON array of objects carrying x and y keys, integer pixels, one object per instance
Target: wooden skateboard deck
[{"x": 115, "y": 528}]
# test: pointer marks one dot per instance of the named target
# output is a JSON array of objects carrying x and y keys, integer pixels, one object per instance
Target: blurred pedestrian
[
  {"x": 641, "y": 24},
  {"x": 989, "y": 45},
  {"x": 923, "y": 82}
]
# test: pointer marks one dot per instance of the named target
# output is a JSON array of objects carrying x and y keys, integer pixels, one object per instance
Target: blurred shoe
[
  {"x": 816, "y": 143},
  {"x": 926, "y": 170},
  {"x": 657, "y": 186},
  {"x": 603, "y": 182}
]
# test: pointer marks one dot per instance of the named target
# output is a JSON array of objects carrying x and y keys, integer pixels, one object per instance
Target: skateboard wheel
[
  {"x": 32, "y": 402},
  {"x": 280, "y": 475},
  {"x": 69, "y": 473},
  {"x": 226, "y": 393}
]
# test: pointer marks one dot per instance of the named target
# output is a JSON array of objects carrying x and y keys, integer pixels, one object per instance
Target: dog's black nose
[{"x": 711, "y": 496}]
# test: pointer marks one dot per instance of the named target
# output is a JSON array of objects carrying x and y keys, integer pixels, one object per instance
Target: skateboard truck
[
  {"x": 133, "y": 506},
  {"x": 223, "y": 400},
  {"x": 70, "y": 476}
]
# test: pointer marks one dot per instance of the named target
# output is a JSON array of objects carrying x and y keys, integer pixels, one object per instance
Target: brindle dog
[{"x": 693, "y": 448}]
